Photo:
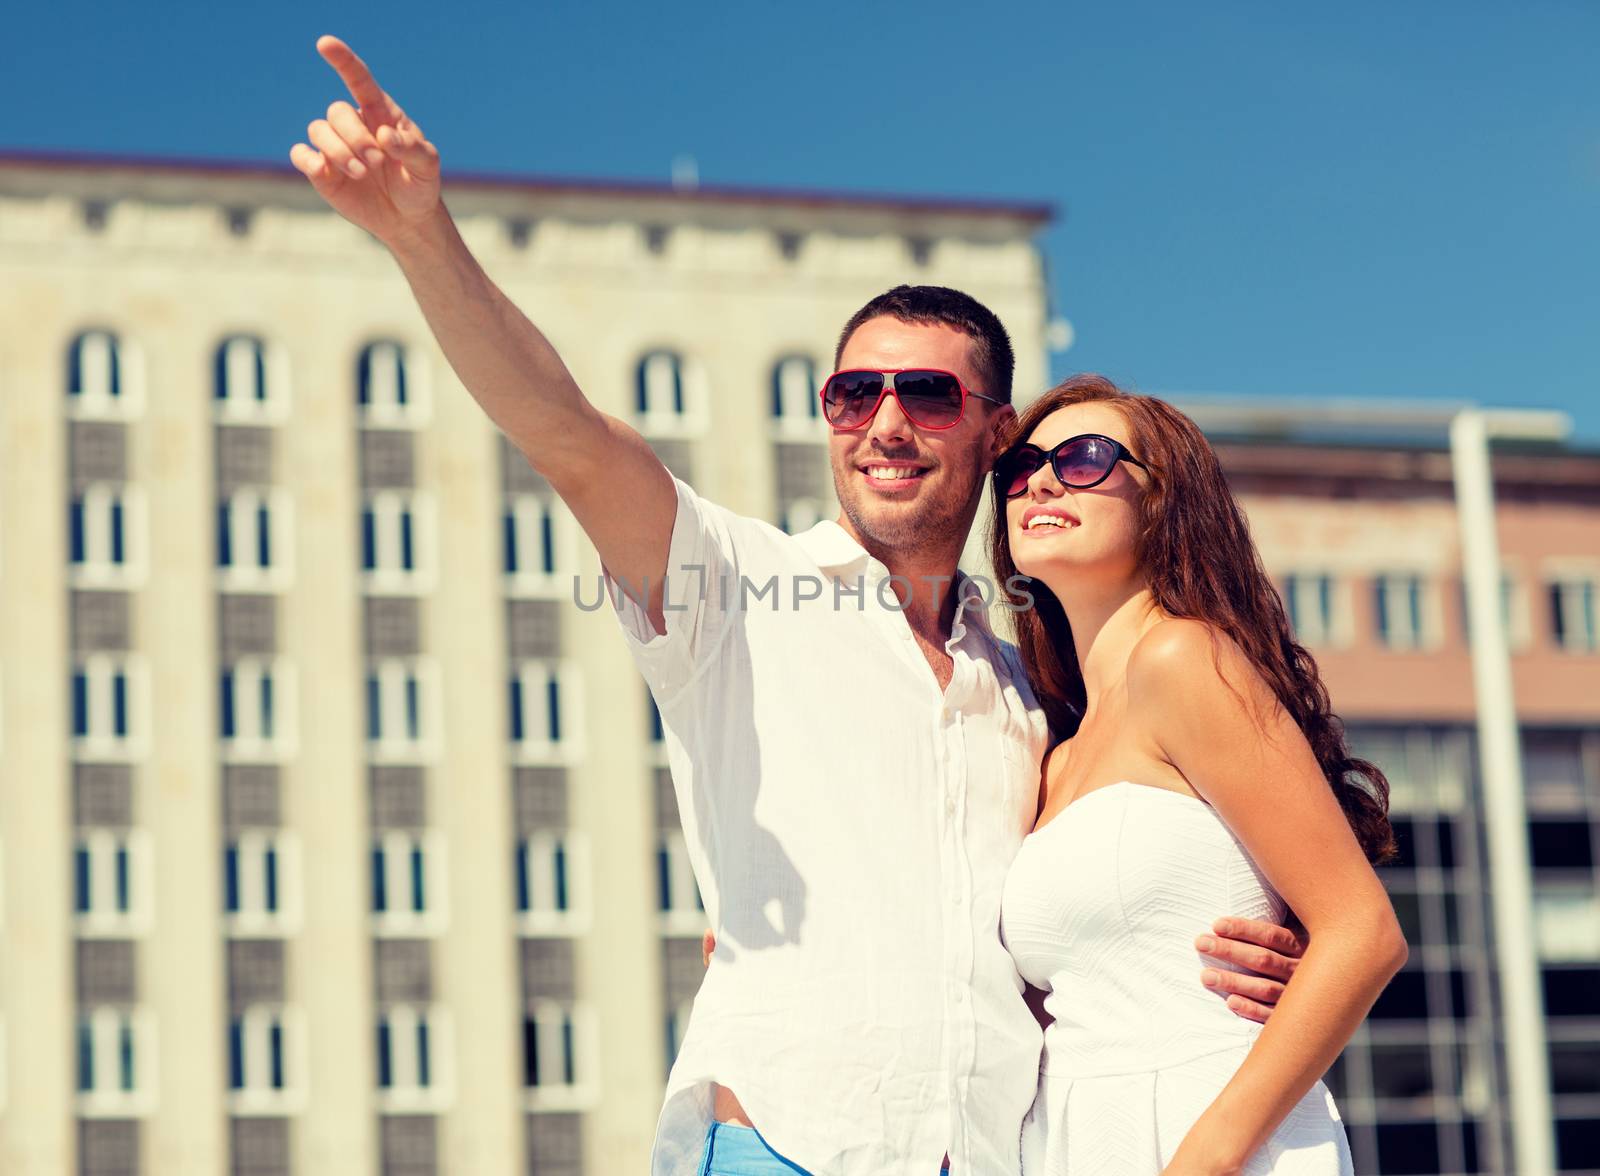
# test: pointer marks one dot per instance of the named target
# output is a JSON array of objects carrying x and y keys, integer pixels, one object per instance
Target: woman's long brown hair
[{"x": 1199, "y": 562}]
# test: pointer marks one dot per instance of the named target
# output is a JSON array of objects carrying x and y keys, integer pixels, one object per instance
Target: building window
[
  {"x": 250, "y": 381},
  {"x": 413, "y": 1058},
  {"x": 252, "y": 539},
  {"x": 261, "y": 883},
  {"x": 557, "y": 1042},
  {"x": 111, "y": 882},
  {"x": 389, "y": 391},
  {"x": 678, "y": 895},
  {"x": 105, "y": 536},
  {"x": 796, "y": 402},
  {"x": 401, "y": 705},
  {"x": 539, "y": 545},
  {"x": 1572, "y": 614},
  {"x": 102, "y": 379},
  {"x": 546, "y": 712},
  {"x": 551, "y": 877},
  {"x": 397, "y": 541},
  {"x": 658, "y": 732},
  {"x": 1401, "y": 605},
  {"x": 107, "y": 708},
  {"x": 1317, "y": 611},
  {"x": 677, "y": 1026},
  {"x": 264, "y": 1061},
  {"x": 1513, "y": 612},
  {"x": 408, "y": 883},
  {"x": 668, "y": 398},
  {"x": 113, "y": 1047},
  {"x": 257, "y": 710},
  {"x": 1567, "y": 923}
]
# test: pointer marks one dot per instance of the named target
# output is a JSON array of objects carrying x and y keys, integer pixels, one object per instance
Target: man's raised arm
[{"x": 374, "y": 166}]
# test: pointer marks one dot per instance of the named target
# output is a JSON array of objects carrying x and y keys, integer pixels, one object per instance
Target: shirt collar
[{"x": 831, "y": 546}]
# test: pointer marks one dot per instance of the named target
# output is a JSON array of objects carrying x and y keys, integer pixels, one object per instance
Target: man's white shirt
[{"x": 850, "y": 826}]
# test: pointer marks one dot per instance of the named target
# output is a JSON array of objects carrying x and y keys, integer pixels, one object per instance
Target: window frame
[
  {"x": 252, "y": 747},
  {"x": 393, "y": 676},
  {"x": 390, "y": 412},
  {"x": 98, "y": 1102},
  {"x": 252, "y": 1099},
  {"x": 272, "y": 363},
  {"x": 538, "y": 848},
  {"x": 523, "y": 518},
  {"x": 250, "y": 848},
  {"x": 127, "y": 402},
  {"x": 583, "y": 1091},
  {"x": 397, "y": 849},
  {"x": 533, "y": 677},
  {"x": 96, "y": 501},
  {"x": 439, "y": 1092}
]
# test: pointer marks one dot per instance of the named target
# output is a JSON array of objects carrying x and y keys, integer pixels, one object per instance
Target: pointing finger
[{"x": 376, "y": 105}]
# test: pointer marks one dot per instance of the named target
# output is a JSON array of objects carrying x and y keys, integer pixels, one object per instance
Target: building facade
[
  {"x": 335, "y": 836},
  {"x": 1364, "y": 542}
]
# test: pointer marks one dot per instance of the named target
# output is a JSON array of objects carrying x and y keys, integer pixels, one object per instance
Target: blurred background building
[
  {"x": 1363, "y": 538},
  {"x": 334, "y": 828},
  {"x": 335, "y": 835}
]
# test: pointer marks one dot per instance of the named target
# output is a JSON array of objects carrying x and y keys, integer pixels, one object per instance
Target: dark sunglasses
[
  {"x": 930, "y": 398},
  {"x": 1079, "y": 462}
]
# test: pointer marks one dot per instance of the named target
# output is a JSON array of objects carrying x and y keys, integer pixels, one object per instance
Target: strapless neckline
[{"x": 1107, "y": 788}]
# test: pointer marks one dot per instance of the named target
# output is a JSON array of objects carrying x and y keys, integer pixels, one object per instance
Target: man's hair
[{"x": 925, "y": 305}]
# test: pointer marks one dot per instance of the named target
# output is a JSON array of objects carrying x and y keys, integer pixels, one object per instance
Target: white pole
[{"x": 1505, "y": 811}]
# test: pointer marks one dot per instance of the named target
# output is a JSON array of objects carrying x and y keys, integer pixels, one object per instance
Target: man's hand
[
  {"x": 372, "y": 165},
  {"x": 1266, "y": 948},
  {"x": 708, "y": 944}
]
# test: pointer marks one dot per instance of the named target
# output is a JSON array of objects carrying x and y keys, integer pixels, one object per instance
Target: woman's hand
[{"x": 370, "y": 162}]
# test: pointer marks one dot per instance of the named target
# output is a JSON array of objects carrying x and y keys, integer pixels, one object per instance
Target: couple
[{"x": 884, "y": 846}]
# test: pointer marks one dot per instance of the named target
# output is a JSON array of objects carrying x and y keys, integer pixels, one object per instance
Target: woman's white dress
[{"x": 1101, "y": 909}]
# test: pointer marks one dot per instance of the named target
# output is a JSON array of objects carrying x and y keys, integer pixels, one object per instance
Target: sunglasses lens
[
  {"x": 850, "y": 397},
  {"x": 930, "y": 399},
  {"x": 1013, "y": 470},
  {"x": 1085, "y": 462}
]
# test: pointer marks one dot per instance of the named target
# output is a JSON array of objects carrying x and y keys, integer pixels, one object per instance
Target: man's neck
[{"x": 922, "y": 579}]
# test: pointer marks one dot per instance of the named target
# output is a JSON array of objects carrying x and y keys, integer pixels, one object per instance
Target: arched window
[
  {"x": 659, "y": 390},
  {"x": 796, "y": 408},
  {"x": 249, "y": 379},
  {"x": 99, "y": 376},
  {"x": 389, "y": 388}
]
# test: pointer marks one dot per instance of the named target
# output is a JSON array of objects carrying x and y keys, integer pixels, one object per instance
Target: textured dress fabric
[{"x": 1100, "y": 910}]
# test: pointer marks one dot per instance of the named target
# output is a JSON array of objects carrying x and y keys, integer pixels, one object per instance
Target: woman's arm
[{"x": 1218, "y": 722}]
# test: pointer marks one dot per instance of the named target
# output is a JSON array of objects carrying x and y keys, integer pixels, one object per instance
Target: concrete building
[
  {"x": 333, "y": 838},
  {"x": 1363, "y": 538}
]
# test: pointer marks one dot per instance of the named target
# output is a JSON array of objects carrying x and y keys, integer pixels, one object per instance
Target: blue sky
[{"x": 1368, "y": 199}]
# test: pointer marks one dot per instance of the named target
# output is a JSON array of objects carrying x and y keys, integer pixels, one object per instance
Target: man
[{"x": 855, "y": 754}]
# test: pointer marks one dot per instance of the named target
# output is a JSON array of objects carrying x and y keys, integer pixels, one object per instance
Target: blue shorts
[{"x": 732, "y": 1150}]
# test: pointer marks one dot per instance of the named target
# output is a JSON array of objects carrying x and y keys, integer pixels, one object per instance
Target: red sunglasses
[{"x": 930, "y": 398}]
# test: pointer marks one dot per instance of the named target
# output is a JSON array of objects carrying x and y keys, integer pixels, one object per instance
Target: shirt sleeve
[{"x": 700, "y": 587}]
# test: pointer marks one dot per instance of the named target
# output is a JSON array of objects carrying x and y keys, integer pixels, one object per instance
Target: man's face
[{"x": 904, "y": 488}]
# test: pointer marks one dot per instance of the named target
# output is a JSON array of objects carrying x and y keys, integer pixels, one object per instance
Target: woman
[{"x": 1204, "y": 776}]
